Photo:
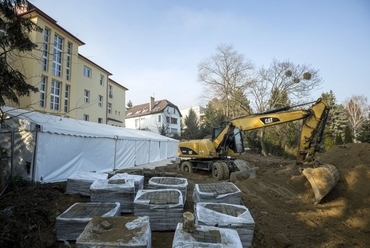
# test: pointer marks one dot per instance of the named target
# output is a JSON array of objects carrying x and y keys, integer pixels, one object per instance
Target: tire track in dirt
[{"x": 280, "y": 191}]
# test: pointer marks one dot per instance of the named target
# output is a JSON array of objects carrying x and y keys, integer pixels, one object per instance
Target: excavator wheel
[
  {"x": 322, "y": 179},
  {"x": 187, "y": 166},
  {"x": 218, "y": 170},
  {"x": 226, "y": 171}
]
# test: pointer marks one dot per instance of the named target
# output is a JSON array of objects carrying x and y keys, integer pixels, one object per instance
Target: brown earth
[{"x": 280, "y": 200}]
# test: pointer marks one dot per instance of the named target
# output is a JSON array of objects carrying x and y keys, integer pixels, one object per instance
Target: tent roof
[{"x": 67, "y": 126}]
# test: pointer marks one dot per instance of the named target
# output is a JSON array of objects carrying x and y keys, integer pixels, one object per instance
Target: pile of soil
[{"x": 280, "y": 200}]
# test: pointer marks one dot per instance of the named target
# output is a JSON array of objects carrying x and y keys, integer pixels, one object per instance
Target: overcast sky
[{"x": 153, "y": 47}]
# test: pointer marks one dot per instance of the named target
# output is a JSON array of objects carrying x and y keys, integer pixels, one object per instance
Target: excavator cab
[{"x": 233, "y": 141}]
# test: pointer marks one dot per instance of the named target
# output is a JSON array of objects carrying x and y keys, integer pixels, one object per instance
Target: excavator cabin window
[
  {"x": 235, "y": 141},
  {"x": 237, "y": 146}
]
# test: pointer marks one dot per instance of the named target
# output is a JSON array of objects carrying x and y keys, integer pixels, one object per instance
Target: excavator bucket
[
  {"x": 245, "y": 167},
  {"x": 322, "y": 179}
]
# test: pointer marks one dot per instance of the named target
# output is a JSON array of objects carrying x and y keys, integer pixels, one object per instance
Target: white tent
[{"x": 61, "y": 146}]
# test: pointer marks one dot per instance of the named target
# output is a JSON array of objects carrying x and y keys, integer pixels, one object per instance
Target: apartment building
[
  {"x": 198, "y": 110},
  {"x": 70, "y": 84}
]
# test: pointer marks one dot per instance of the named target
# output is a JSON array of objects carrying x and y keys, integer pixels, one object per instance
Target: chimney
[{"x": 151, "y": 103}]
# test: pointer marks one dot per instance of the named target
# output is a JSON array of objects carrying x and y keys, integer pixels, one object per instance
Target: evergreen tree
[
  {"x": 364, "y": 133},
  {"x": 213, "y": 117},
  {"x": 240, "y": 105},
  {"x": 162, "y": 130},
  {"x": 129, "y": 104},
  {"x": 14, "y": 42},
  {"x": 328, "y": 140},
  {"x": 192, "y": 125},
  {"x": 338, "y": 140},
  {"x": 348, "y": 135},
  {"x": 338, "y": 119}
]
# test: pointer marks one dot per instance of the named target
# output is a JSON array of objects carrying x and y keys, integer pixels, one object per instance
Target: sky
[{"x": 154, "y": 47}]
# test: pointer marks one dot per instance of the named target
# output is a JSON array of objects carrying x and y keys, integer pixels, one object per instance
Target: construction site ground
[{"x": 280, "y": 200}]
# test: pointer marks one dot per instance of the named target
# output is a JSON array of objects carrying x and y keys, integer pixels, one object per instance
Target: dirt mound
[
  {"x": 280, "y": 200},
  {"x": 347, "y": 156}
]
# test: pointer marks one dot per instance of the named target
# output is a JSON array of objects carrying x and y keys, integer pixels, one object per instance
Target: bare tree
[
  {"x": 357, "y": 110},
  {"x": 224, "y": 75},
  {"x": 282, "y": 83}
]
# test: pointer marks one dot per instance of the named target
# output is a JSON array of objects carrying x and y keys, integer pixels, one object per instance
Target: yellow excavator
[{"x": 220, "y": 154}]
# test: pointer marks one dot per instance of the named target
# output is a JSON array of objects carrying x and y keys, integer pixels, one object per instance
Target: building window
[
  {"x": 110, "y": 91},
  {"x": 86, "y": 118},
  {"x": 66, "y": 98},
  {"x": 45, "y": 50},
  {"x": 57, "y": 56},
  {"x": 42, "y": 91},
  {"x": 168, "y": 119},
  {"x": 68, "y": 61},
  {"x": 55, "y": 95},
  {"x": 159, "y": 118},
  {"x": 109, "y": 108},
  {"x": 101, "y": 79},
  {"x": 87, "y": 72},
  {"x": 86, "y": 95},
  {"x": 100, "y": 120},
  {"x": 173, "y": 120},
  {"x": 100, "y": 101}
]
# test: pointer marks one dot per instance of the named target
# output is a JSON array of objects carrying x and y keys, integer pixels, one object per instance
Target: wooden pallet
[
  {"x": 163, "y": 206},
  {"x": 71, "y": 223},
  {"x": 169, "y": 183},
  {"x": 222, "y": 192},
  {"x": 206, "y": 237},
  {"x": 80, "y": 182},
  {"x": 225, "y": 215},
  {"x": 114, "y": 190}
]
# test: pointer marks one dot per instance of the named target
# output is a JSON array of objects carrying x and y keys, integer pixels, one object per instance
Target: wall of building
[
  {"x": 94, "y": 106},
  {"x": 117, "y": 99},
  {"x": 71, "y": 82},
  {"x": 170, "y": 118}
]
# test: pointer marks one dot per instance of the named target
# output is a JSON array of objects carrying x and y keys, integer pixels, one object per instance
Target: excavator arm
[{"x": 314, "y": 120}]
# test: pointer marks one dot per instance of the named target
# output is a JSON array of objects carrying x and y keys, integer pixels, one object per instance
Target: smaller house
[{"x": 162, "y": 117}]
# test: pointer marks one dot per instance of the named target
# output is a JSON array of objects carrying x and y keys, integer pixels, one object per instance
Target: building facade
[
  {"x": 198, "y": 110},
  {"x": 69, "y": 84},
  {"x": 162, "y": 117}
]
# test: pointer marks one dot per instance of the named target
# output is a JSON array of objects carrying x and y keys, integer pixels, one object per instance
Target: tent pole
[
  {"x": 115, "y": 153},
  {"x": 33, "y": 164}
]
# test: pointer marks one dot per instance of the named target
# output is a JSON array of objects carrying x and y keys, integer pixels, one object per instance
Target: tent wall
[
  {"x": 125, "y": 154},
  {"x": 142, "y": 152},
  {"x": 60, "y": 156},
  {"x": 163, "y": 150},
  {"x": 20, "y": 145},
  {"x": 154, "y": 154},
  {"x": 172, "y": 149}
]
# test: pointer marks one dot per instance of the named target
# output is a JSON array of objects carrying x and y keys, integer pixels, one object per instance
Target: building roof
[
  {"x": 93, "y": 63},
  {"x": 119, "y": 85},
  {"x": 31, "y": 9},
  {"x": 143, "y": 109}
]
